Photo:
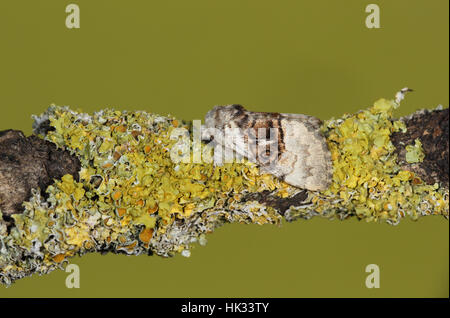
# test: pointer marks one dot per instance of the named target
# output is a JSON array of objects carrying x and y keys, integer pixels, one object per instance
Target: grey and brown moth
[{"x": 288, "y": 146}]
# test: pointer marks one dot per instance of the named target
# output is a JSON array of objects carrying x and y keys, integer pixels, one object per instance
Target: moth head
[{"x": 221, "y": 115}]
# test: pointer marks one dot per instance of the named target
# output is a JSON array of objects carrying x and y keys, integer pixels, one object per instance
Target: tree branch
[{"x": 105, "y": 182}]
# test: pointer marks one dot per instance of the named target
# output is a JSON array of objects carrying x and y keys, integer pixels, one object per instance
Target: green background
[{"x": 183, "y": 57}]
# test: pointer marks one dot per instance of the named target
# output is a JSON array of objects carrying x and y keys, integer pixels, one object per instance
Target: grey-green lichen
[
  {"x": 414, "y": 153},
  {"x": 132, "y": 198}
]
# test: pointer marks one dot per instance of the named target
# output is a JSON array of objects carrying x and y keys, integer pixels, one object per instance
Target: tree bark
[
  {"x": 28, "y": 163},
  {"x": 431, "y": 127}
]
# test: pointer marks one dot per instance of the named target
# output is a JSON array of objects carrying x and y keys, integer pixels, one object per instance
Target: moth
[{"x": 288, "y": 146}]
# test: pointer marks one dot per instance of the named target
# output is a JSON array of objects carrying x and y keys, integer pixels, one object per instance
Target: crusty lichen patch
[{"x": 133, "y": 198}]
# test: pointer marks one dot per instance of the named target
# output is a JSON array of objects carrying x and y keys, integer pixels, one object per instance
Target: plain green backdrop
[{"x": 183, "y": 57}]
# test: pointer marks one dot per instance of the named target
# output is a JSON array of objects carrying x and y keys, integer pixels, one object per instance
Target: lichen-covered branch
[{"x": 116, "y": 187}]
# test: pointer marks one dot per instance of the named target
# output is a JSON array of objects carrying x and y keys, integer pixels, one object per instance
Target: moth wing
[
  {"x": 239, "y": 142},
  {"x": 306, "y": 151},
  {"x": 281, "y": 167},
  {"x": 314, "y": 122}
]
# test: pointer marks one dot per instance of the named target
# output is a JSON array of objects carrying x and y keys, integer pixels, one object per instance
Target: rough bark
[
  {"x": 28, "y": 163},
  {"x": 431, "y": 128}
]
